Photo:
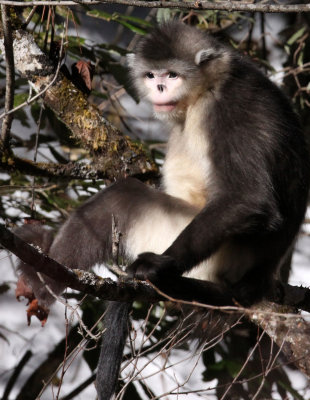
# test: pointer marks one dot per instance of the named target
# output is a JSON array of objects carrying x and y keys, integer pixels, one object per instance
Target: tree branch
[
  {"x": 10, "y": 77},
  {"x": 288, "y": 330},
  {"x": 72, "y": 170},
  {"x": 85, "y": 282},
  {"x": 107, "y": 289},
  {"x": 113, "y": 154},
  {"x": 270, "y": 7}
]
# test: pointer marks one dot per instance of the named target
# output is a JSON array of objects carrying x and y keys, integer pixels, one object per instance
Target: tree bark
[{"x": 114, "y": 155}]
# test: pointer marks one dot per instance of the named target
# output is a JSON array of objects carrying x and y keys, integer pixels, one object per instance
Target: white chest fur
[{"x": 187, "y": 172}]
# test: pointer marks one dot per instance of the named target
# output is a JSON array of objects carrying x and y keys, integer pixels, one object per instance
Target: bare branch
[
  {"x": 72, "y": 170},
  {"x": 28, "y": 19},
  {"x": 269, "y": 7},
  {"x": 10, "y": 77}
]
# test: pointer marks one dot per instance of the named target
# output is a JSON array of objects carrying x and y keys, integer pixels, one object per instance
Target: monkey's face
[
  {"x": 167, "y": 90},
  {"x": 164, "y": 89},
  {"x": 167, "y": 84}
]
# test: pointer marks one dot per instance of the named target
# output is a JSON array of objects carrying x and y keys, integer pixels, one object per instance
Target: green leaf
[
  {"x": 75, "y": 40},
  {"x": 123, "y": 20},
  {"x": 233, "y": 367},
  {"x": 113, "y": 49},
  {"x": 136, "y": 20},
  {"x": 300, "y": 61},
  {"x": 133, "y": 28},
  {"x": 296, "y": 36},
  {"x": 287, "y": 49},
  {"x": 20, "y": 98}
]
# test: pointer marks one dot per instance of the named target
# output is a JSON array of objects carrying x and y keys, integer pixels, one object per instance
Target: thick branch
[
  {"x": 85, "y": 282},
  {"x": 72, "y": 170},
  {"x": 289, "y": 331},
  {"x": 200, "y": 5},
  {"x": 109, "y": 290},
  {"x": 114, "y": 155}
]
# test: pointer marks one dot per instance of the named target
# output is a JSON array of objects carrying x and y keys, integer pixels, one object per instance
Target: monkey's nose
[{"x": 160, "y": 88}]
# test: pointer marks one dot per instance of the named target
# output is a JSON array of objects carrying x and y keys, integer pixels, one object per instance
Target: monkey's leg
[{"x": 148, "y": 220}]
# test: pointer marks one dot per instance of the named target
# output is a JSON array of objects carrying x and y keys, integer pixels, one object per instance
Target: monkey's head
[{"x": 175, "y": 65}]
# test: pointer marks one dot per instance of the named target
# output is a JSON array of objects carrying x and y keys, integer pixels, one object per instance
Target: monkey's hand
[{"x": 154, "y": 267}]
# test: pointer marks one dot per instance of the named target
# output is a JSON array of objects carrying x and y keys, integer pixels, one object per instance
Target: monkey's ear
[
  {"x": 205, "y": 55},
  {"x": 131, "y": 60}
]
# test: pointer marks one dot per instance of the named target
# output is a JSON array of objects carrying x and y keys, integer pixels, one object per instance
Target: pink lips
[{"x": 164, "y": 107}]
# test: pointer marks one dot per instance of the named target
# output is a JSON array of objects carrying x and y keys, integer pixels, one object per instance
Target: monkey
[{"x": 234, "y": 188}]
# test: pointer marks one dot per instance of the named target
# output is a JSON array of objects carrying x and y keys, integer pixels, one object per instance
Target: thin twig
[
  {"x": 80, "y": 388},
  {"x": 73, "y": 354},
  {"x": 10, "y": 78},
  {"x": 244, "y": 365},
  {"x": 35, "y": 160},
  {"x": 263, "y": 37},
  {"x": 29, "y": 18}
]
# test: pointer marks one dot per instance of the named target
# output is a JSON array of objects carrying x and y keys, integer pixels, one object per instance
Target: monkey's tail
[{"x": 113, "y": 343}]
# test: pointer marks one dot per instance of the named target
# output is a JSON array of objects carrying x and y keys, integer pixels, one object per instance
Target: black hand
[{"x": 154, "y": 267}]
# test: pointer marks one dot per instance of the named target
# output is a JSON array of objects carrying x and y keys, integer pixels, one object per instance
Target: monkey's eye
[
  {"x": 172, "y": 75},
  {"x": 150, "y": 75}
]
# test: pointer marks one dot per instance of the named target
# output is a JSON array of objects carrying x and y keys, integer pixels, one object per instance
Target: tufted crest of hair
[{"x": 175, "y": 41}]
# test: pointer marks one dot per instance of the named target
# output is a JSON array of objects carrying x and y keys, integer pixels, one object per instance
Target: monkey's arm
[{"x": 225, "y": 217}]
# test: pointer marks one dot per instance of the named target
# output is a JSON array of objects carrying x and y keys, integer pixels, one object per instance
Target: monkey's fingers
[{"x": 154, "y": 267}]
